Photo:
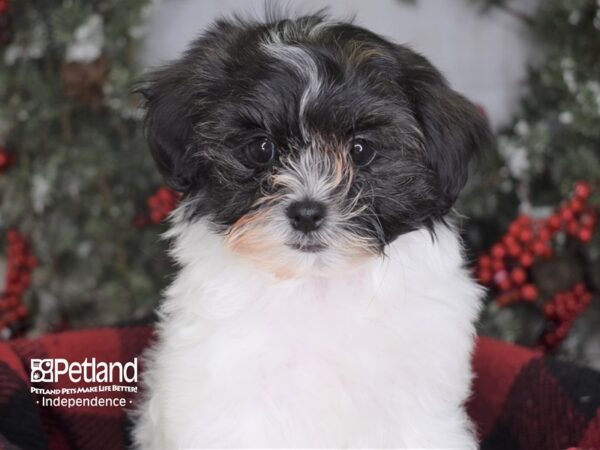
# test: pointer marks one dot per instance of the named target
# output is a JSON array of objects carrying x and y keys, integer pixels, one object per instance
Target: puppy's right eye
[
  {"x": 261, "y": 152},
  {"x": 362, "y": 153}
]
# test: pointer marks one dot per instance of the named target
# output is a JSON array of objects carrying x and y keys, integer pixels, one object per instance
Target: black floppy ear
[
  {"x": 454, "y": 129},
  {"x": 169, "y": 102},
  {"x": 179, "y": 96}
]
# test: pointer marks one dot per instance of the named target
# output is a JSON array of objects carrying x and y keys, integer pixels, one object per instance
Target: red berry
[
  {"x": 518, "y": 276},
  {"x": 585, "y": 235},
  {"x": 504, "y": 285},
  {"x": 22, "y": 311},
  {"x": 526, "y": 235},
  {"x": 497, "y": 265},
  {"x": 11, "y": 317},
  {"x": 498, "y": 251},
  {"x": 485, "y": 261},
  {"x": 562, "y": 331},
  {"x": 561, "y": 311},
  {"x": 554, "y": 222},
  {"x": 164, "y": 194},
  {"x": 485, "y": 276},
  {"x": 588, "y": 218},
  {"x": 549, "y": 310},
  {"x": 526, "y": 259},
  {"x": 12, "y": 236},
  {"x": 509, "y": 240},
  {"x": 545, "y": 234},
  {"x": 576, "y": 205},
  {"x": 514, "y": 228},
  {"x": 529, "y": 292},
  {"x": 566, "y": 214},
  {"x": 17, "y": 260},
  {"x": 539, "y": 248},
  {"x": 571, "y": 304},
  {"x": 515, "y": 250},
  {"x": 573, "y": 228},
  {"x": 582, "y": 190}
]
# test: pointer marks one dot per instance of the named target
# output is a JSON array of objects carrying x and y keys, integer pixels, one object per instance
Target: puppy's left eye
[
  {"x": 362, "y": 153},
  {"x": 261, "y": 152}
]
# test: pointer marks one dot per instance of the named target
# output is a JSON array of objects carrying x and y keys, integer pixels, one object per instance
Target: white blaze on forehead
[
  {"x": 315, "y": 174},
  {"x": 303, "y": 63}
]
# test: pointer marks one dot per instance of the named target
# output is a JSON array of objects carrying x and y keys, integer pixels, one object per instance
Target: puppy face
[{"x": 309, "y": 144}]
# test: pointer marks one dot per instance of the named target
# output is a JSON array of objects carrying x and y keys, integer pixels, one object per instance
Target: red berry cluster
[
  {"x": 580, "y": 219},
  {"x": 7, "y": 159},
  {"x": 561, "y": 311},
  {"x": 20, "y": 262},
  {"x": 506, "y": 267},
  {"x": 160, "y": 205}
]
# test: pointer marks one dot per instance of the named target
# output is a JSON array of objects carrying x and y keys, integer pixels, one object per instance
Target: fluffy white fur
[{"x": 377, "y": 355}]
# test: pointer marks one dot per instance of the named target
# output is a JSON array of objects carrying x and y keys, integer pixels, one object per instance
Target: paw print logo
[{"x": 41, "y": 371}]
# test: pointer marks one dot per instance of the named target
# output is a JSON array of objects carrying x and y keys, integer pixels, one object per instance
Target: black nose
[{"x": 307, "y": 215}]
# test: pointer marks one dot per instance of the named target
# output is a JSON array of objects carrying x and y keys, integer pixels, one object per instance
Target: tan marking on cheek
[
  {"x": 244, "y": 230},
  {"x": 253, "y": 219},
  {"x": 342, "y": 172},
  {"x": 248, "y": 237},
  {"x": 249, "y": 241},
  {"x": 268, "y": 199},
  {"x": 263, "y": 252},
  {"x": 283, "y": 274}
]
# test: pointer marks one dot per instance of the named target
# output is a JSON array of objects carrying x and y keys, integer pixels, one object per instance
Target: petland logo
[{"x": 89, "y": 371}]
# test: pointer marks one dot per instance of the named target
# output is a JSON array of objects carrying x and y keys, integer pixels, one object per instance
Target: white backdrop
[{"x": 483, "y": 57}]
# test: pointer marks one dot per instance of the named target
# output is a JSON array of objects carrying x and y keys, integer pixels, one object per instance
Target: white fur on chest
[{"x": 377, "y": 356}]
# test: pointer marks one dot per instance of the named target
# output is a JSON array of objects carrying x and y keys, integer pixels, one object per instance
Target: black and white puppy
[{"x": 322, "y": 299}]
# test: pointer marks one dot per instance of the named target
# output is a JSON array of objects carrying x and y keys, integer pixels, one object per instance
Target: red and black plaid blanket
[{"x": 521, "y": 400}]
